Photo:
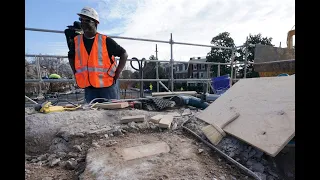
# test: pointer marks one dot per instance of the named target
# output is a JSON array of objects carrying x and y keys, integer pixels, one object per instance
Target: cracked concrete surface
[{"x": 62, "y": 145}]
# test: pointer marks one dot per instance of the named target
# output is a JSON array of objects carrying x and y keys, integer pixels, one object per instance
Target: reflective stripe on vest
[{"x": 91, "y": 69}]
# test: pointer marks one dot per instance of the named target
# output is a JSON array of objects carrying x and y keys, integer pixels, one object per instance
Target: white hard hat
[{"x": 90, "y": 12}]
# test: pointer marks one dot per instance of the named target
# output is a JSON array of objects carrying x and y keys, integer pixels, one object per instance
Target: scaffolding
[{"x": 171, "y": 80}]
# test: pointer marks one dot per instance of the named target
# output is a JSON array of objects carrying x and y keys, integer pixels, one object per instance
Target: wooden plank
[
  {"x": 137, "y": 118},
  {"x": 267, "y": 112},
  {"x": 145, "y": 150},
  {"x": 117, "y": 105}
]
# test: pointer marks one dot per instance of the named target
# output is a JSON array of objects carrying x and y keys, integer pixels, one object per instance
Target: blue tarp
[{"x": 220, "y": 84}]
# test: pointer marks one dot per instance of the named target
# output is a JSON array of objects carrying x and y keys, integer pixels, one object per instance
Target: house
[
  {"x": 189, "y": 71},
  {"x": 198, "y": 71}
]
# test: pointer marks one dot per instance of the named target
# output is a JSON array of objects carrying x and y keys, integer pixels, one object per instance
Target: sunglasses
[{"x": 84, "y": 20}]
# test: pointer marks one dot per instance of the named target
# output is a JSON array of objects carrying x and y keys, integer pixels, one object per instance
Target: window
[
  {"x": 201, "y": 75},
  {"x": 203, "y": 66},
  {"x": 195, "y": 75},
  {"x": 194, "y": 66}
]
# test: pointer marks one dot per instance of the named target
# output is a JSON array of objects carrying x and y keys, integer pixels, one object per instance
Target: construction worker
[
  {"x": 92, "y": 59},
  {"x": 150, "y": 86}
]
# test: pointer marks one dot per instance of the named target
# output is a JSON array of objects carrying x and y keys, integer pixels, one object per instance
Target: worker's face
[{"x": 88, "y": 25}]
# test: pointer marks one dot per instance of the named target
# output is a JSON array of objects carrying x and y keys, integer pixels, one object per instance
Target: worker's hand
[{"x": 116, "y": 75}]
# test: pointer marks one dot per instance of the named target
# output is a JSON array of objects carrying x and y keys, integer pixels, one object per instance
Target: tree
[
  {"x": 150, "y": 71},
  {"x": 64, "y": 69},
  {"x": 126, "y": 74},
  {"x": 221, "y": 55},
  {"x": 48, "y": 65},
  {"x": 252, "y": 39}
]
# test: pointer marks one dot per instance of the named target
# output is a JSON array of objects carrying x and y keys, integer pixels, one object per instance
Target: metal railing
[
  {"x": 171, "y": 42},
  {"x": 171, "y": 80}
]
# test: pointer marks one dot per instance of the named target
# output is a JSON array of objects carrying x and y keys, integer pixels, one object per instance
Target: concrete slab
[
  {"x": 182, "y": 162},
  {"x": 165, "y": 121},
  {"x": 145, "y": 150},
  {"x": 267, "y": 112},
  {"x": 137, "y": 118},
  {"x": 155, "y": 119}
]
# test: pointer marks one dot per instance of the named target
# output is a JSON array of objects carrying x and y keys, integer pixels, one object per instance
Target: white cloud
[
  {"x": 188, "y": 21},
  {"x": 194, "y": 22}
]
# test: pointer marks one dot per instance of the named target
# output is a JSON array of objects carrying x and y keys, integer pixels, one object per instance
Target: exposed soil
[
  {"x": 70, "y": 145},
  {"x": 186, "y": 160}
]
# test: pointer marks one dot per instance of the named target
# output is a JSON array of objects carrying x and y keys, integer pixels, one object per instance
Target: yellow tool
[{"x": 47, "y": 108}]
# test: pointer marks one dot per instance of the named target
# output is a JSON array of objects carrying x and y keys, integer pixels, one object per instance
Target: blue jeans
[{"x": 112, "y": 92}]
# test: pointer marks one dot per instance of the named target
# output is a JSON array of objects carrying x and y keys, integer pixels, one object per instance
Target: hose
[
  {"x": 246, "y": 170},
  {"x": 98, "y": 99},
  {"x": 141, "y": 68}
]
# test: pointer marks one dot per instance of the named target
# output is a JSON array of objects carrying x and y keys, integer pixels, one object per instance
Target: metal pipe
[
  {"x": 202, "y": 45},
  {"x": 232, "y": 59},
  {"x": 218, "y": 74},
  {"x": 270, "y": 62},
  {"x": 208, "y": 76},
  {"x": 246, "y": 59},
  {"x": 164, "y": 86},
  {"x": 30, "y": 99},
  {"x": 43, "y": 30},
  {"x": 250, "y": 45},
  {"x": 246, "y": 170},
  {"x": 147, "y": 60},
  {"x": 157, "y": 68},
  {"x": 40, "y": 55},
  {"x": 118, "y": 37},
  {"x": 199, "y": 62},
  {"x": 137, "y": 39},
  {"x": 135, "y": 80},
  {"x": 171, "y": 61},
  {"x": 39, "y": 73}
]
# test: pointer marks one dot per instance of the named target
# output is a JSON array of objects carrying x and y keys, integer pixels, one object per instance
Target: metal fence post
[
  {"x": 218, "y": 74},
  {"x": 171, "y": 61},
  {"x": 245, "y": 58},
  {"x": 157, "y": 68},
  {"x": 209, "y": 77},
  {"x": 39, "y": 73},
  {"x": 231, "y": 64}
]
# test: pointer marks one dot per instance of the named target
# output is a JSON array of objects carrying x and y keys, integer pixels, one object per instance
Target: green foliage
[
  {"x": 252, "y": 39},
  {"x": 221, "y": 55}
]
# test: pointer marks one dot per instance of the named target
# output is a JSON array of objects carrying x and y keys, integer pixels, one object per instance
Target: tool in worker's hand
[
  {"x": 72, "y": 31},
  {"x": 215, "y": 133}
]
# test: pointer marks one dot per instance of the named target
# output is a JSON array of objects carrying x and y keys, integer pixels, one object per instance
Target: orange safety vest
[{"x": 95, "y": 69}]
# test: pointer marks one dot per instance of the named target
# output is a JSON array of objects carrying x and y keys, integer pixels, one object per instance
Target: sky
[{"x": 188, "y": 20}]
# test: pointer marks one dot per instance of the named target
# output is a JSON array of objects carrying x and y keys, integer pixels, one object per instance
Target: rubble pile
[
  {"x": 252, "y": 158},
  {"x": 68, "y": 141}
]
